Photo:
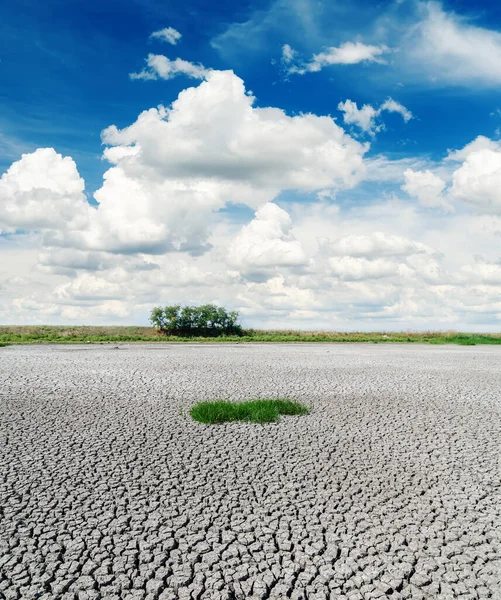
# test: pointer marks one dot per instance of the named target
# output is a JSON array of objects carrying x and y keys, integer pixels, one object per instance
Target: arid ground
[{"x": 389, "y": 488}]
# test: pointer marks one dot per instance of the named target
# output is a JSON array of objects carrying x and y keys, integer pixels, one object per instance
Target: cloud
[
  {"x": 89, "y": 286},
  {"x": 479, "y": 143},
  {"x": 213, "y": 132},
  {"x": 448, "y": 49},
  {"x": 362, "y": 117},
  {"x": 349, "y": 268},
  {"x": 355, "y": 278},
  {"x": 427, "y": 188},
  {"x": 429, "y": 45},
  {"x": 484, "y": 273},
  {"x": 365, "y": 117},
  {"x": 478, "y": 180},
  {"x": 174, "y": 168},
  {"x": 43, "y": 190},
  {"x": 11, "y": 147},
  {"x": 348, "y": 53},
  {"x": 159, "y": 66},
  {"x": 390, "y": 105},
  {"x": 288, "y": 54},
  {"x": 168, "y": 34},
  {"x": 266, "y": 243},
  {"x": 310, "y": 24},
  {"x": 67, "y": 260},
  {"x": 260, "y": 31},
  {"x": 277, "y": 295},
  {"x": 377, "y": 244},
  {"x": 159, "y": 234},
  {"x": 381, "y": 168}
]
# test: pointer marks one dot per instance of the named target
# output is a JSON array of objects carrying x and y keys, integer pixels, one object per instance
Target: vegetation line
[
  {"x": 85, "y": 334},
  {"x": 213, "y": 323}
]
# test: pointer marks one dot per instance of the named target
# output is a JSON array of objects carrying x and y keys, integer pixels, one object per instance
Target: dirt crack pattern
[{"x": 389, "y": 488}]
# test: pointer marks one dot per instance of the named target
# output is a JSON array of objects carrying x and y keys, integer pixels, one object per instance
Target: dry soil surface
[{"x": 390, "y": 488}]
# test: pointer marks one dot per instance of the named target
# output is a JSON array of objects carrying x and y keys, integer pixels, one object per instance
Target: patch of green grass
[
  {"x": 252, "y": 411},
  {"x": 3, "y": 345}
]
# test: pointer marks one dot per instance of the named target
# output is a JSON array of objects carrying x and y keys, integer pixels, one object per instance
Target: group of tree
[{"x": 208, "y": 320}]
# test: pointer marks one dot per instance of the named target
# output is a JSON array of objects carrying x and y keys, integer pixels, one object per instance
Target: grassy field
[{"x": 31, "y": 334}]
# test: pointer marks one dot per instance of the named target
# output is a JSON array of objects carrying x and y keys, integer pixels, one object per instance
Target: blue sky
[
  {"x": 428, "y": 74},
  {"x": 64, "y": 69}
]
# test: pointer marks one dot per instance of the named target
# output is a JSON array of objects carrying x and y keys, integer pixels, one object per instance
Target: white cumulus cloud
[
  {"x": 478, "y": 180},
  {"x": 479, "y": 143},
  {"x": 266, "y": 242},
  {"x": 213, "y": 132},
  {"x": 174, "y": 168},
  {"x": 43, "y": 190},
  {"x": 178, "y": 165},
  {"x": 159, "y": 235},
  {"x": 277, "y": 294},
  {"x": 427, "y": 188}
]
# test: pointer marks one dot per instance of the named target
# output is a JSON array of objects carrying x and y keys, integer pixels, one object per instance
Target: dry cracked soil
[{"x": 389, "y": 488}]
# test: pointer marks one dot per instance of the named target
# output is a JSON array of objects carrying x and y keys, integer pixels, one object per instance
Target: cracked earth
[{"x": 390, "y": 488}]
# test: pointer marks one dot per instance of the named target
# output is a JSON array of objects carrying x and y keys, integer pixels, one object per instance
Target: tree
[
  {"x": 157, "y": 318},
  {"x": 165, "y": 318},
  {"x": 172, "y": 314},
  {"x": 208, "y": 320}
]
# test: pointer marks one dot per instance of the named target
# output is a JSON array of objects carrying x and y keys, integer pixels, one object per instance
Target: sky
[{"x": 313, "y": 164}]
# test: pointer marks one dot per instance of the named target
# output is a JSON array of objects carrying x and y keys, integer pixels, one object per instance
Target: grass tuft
[{"x": 252, "y": 411}]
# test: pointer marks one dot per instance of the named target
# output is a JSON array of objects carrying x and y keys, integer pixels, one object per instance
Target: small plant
[{"x": 252, "y": 411}]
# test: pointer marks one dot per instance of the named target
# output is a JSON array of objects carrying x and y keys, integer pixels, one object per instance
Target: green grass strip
[
  {"x": 252, "y": 411},
  {"x": 63, "y": 334}
]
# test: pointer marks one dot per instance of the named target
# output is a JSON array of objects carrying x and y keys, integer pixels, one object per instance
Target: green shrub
[{"x": 208, "y": 320}]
